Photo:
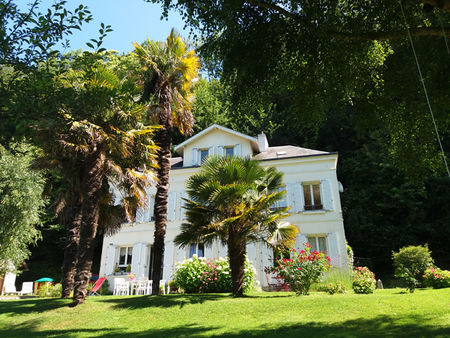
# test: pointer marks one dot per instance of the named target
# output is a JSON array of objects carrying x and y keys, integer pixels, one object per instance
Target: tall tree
[
  {"x": 231, "y": 200},
  {"x": 21, "y": 205},
  {"x": 169, "y": 69}
]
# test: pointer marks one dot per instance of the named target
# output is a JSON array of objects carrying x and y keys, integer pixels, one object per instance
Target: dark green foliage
[{"x": 410, "y": 264}]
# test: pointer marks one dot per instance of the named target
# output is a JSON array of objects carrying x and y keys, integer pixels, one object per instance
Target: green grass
[{"x": 386, "y": 313}]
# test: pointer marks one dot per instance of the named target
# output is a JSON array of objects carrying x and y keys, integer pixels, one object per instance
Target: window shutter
[
  {"x": 195, "y": 156},
  {"x": 142, "y": 267},
  {"x": 327, "y": 196},
  {"x": 290, "y": 187},
  {"x": 136, "y": 258},
  {"x": 210, "y": 151},
  {"x": 251, "y": 254},
  {"x": 151, "y": 207},
  {"x": 301, "y": 200},
  {"x": 223, "y": 252},
  {"x": 266, "y": 255},
  {"x": 333, "y": 248},
  {"x": 110, "y": 259},
  {"x": 182, "y": 211},
  {"x": 209, "y": 251},
  {"x": 168, "y": 261},
  {"x": 139, "y": 215},
  {"x": 237, "y": 150},
  {"x": 220, "y": 151},
  {"x": 172, "y": 206},
  {"x": 301, "y": 239}
]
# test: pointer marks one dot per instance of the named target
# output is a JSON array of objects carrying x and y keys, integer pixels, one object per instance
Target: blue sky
[{"x": 131, "y": 20}]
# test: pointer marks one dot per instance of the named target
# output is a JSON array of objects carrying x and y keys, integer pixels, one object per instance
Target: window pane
[
  {"x": 201, "y": 250},
  {"x": 122, "y": 256},
  {"x": 312, "y": 241},
  {"x": 307, "y": 193},
  {"x": 322, "y": 244},
  {"x": 192, "y": 250},
  {"x": 317, "y": 199},
  {"x": 203, "y": 154},
  {"x": 130, "y": 254},
  {"x": 229, "y": 151}
]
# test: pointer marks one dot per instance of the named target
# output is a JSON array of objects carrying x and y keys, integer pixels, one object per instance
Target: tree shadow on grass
[
  {"x": 380, "y": 326},
  {"x": 17, "y": 307},
  {"x": 166, "y": 301}
]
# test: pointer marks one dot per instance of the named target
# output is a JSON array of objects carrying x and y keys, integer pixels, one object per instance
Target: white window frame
[
  {"x": 127, "y": 247},
  {"x": 309, "y": 186},
  {"x": 315, "y": 238}
]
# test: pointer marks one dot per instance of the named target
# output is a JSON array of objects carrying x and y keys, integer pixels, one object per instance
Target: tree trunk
[
  {"x": 71, "y": 248},
  {"x": 92, "y": 184},
  {"x": 236, "y": 254},
  {"x": 164, "y": 140}
]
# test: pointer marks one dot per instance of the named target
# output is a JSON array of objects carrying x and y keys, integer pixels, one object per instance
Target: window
[
  {"x": 318, "y": 243},
  {"x": 313, "y": 200},
  {"x": 125, "y": 255},
  {"x": 197, "y": 249},
  {"x": 203, "y": 154},
  {"x": 281, "y": 203},
  {"x": 229, "y": 151}
]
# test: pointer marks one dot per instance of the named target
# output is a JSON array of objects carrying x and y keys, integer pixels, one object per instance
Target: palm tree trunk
[
  {"x": 92, "y": 184},
  {"x": 164, "y": 140},
  {"x": 71, "y": 248},
  {"x": 236, "y": 254}
]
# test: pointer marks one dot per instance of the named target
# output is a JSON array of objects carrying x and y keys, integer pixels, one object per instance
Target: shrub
[
  {"x": 303, "y": 269},
  {"x": 195, "y": 275},
  {"x": 437, "y": 278},
  {"x": 350, "y": 256},
  {"x": 333, "y": 288},
  {"x": 363, "y": 280},
  {"x": 50, "y": 291},
  {"x": 410, "y": 264}
]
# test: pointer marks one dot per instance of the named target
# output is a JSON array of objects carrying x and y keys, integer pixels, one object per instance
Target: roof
[
  {"x": 253, "y": 140},
  {"x": 176, "y": 162},
  {"x": 274, "y": 153}
]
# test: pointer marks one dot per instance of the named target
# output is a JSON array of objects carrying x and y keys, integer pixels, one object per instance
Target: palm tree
[
  {"x": 98, "y": 130},
  {"x": 230, "y": 200},
  {"x": 167, "y": 72}
]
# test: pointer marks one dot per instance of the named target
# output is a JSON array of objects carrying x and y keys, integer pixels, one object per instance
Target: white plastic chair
[
  {"x": 118, "y": 286},
  {"x": 27, "y": 288},
  {"x": 149, "y": 286},
  {"x": 141, "y": 288},
  {"x": 10, "y": 289}
]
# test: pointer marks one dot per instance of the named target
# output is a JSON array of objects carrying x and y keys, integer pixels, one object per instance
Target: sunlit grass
[{"x": 386, "y": 312}]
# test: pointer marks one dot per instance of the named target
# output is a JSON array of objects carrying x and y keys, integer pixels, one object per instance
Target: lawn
[{"x": 385, "y": 313}]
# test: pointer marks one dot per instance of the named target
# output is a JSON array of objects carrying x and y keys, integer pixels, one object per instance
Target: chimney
[{"x": 262, "y": 142}]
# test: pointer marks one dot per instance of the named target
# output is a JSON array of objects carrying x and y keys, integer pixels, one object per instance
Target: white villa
[{"x": 312, "y": 193}]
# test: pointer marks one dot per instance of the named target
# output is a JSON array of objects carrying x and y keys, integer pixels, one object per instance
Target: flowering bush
[
  {"x": 363, "y": 280},
  {"x": 302, "y": 269},
  {"x": 195, "y": 275},
  {"x": 437, "y": 278},
  {"x": 333, "y": 288}
]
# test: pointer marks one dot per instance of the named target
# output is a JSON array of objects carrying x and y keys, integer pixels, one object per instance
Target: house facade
[{"x": 312, "y": 193}]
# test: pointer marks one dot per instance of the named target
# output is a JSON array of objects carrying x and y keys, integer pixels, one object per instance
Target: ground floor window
[
  {"x": 318, "y": 243},
  {"x": 125, "y": 256},
  {"x": 197, "y": 249}
]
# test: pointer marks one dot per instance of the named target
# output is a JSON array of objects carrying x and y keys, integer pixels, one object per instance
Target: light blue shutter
[
  {"x": 301, "y": 239},
  {"x": 210, "y": 151},
  {"x": 290, "y": 187},
  {"x": 168, "y": 261},
  {"x": 208, "y": 251},
  {"x": 327, "y": 196},
  {"x": 136, "y": 258},
  {"x": 298, "y": 197},
  {"x": 220, "y": 151},
  {"x": 251, "y": 254},
  {"x": 172, "y": 205},
  {"x": 110, "y": 259},
  {"x": 143, "y": 262},
  {"x": 182, "y": 211},
  {"x": 237, "y": 150},
  {"x": 333, "y": 248},
  {"x": 195, "y": 156},
  {"x": 223, "y": 252},
  {"x": 139, "y": 215}
]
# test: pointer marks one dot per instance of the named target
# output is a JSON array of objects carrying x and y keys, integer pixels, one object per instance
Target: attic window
[{"x": 281, "y": 153}]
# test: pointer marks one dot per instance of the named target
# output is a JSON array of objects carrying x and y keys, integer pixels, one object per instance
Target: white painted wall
[{"x": 296, "y": 170}]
